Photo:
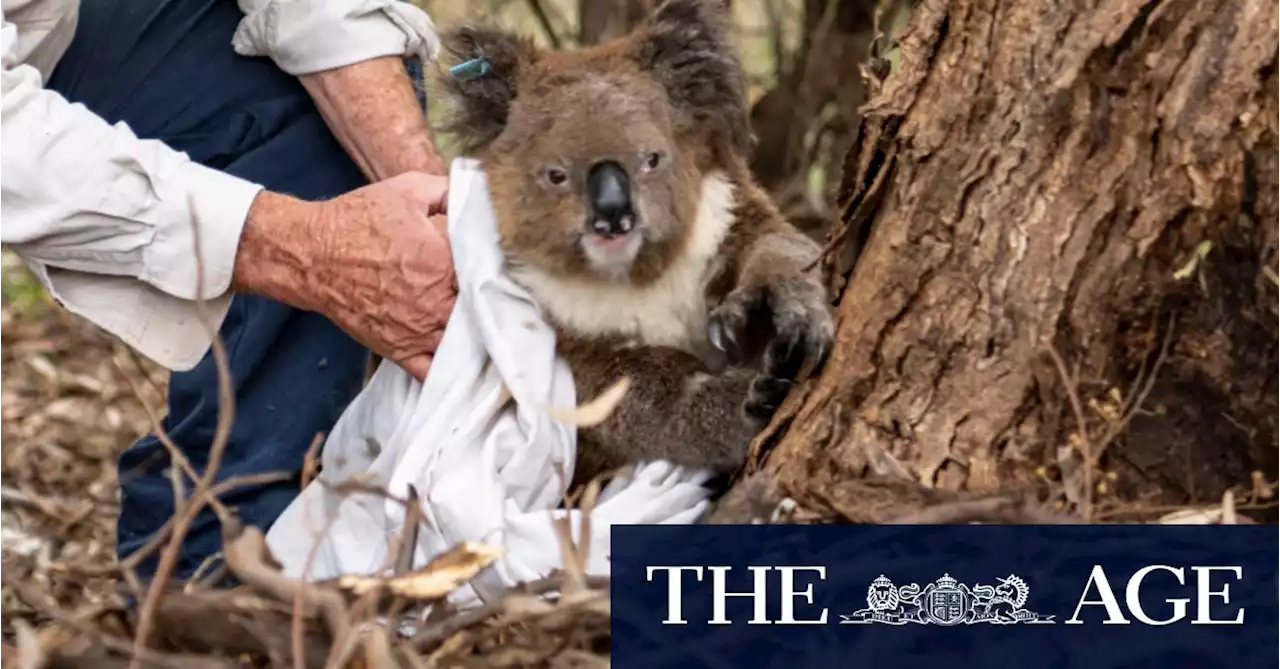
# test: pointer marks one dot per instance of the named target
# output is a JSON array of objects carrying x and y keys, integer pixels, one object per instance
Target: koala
[{"x": 618, "y": 175}]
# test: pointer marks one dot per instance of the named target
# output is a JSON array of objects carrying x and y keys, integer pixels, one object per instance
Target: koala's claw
[
  {"x": 765, "y": 396},
  {"x": 717, "y": 333},
  {"x": 784, "y": 323},
  {"x": 798, "y": 336},
  {"x": 727, "y": 326}
]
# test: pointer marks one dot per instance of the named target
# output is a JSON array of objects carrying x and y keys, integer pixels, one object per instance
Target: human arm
[
  {"x": 371, "y": 109},
  {"x": 109, "y": 223},
  {"x": 103, "y": 218},
  {"x": 369, "y": 260},
  {"x": 348, "y": 55}
]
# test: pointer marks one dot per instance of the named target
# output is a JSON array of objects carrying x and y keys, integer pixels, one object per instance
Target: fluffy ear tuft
[
  {"x": 685, "y": 45},
  {"x": 483, "y": 98}
]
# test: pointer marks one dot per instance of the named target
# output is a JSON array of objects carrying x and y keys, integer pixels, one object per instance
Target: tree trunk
[
  {"x": 809, "y": 115},
  {"x": 1059, "y": 244},
  {"x": 837, "y": 35}
]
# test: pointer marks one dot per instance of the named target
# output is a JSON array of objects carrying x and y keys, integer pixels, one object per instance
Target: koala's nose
[{"x": 610, "y": 193}]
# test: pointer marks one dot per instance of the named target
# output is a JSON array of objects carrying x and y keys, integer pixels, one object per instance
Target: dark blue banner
[{"x": 955, "y": 596}]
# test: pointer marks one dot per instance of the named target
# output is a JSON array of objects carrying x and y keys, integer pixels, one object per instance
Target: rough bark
[{"x": 1027, "y": 185}]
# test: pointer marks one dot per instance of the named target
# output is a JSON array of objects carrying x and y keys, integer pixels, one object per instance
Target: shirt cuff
[
  {"x": 308, "y": 36},
  {"x": 165, "y": 329},
  {"x": 213, "y": 212}
]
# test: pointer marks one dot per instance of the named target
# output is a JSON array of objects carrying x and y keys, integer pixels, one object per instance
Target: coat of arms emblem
[
  {"x": 946, "y": 604},
  {"x": 946, "y": 601}
]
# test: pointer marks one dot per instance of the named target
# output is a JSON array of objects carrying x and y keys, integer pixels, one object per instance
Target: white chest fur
[{"x": 671, "y": 311}]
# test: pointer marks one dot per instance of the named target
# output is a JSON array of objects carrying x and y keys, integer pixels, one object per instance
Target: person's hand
[
  {"x": 376, "y": 261},
  {"x": 386, "y": 272}
]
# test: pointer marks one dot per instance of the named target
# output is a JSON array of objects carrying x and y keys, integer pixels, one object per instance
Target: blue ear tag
[{"x": 476, "y": 67}]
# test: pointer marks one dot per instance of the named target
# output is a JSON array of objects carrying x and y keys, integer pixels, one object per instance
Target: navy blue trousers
[{"x": 166, "y": 68}]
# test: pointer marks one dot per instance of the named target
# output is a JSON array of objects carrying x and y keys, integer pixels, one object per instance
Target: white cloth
[{"x": 484, "y": 468}]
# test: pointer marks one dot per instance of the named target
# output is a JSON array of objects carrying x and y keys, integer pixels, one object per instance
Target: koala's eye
[
  {"x": 556, "y": 176},
  {"x": 652, "y": 161}
]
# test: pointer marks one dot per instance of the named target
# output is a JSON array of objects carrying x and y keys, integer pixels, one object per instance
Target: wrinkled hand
[
  {"x": 391, "y": 282},
  {"x": 376, "y": 261}
]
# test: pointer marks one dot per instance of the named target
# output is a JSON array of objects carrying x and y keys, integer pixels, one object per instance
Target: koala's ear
[
  {"x": 483, "y": 91},
  {"x": 686, "y": 46}
]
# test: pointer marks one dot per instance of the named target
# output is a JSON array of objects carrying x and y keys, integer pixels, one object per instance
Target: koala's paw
[{"x": 782, "y": 322}]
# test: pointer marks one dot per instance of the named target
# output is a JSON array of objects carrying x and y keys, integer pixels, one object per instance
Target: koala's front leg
[
  {"x": 777, "y": 311},
  {"x": 674, "y": 410}
]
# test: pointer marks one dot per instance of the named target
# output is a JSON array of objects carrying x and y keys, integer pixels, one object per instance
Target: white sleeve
[
  {"x": 105, "y": 219},
  {"x": 308, "y": 36}
]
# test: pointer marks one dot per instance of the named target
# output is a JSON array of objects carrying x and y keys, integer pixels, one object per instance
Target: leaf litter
[{"x": 73, "y": 399}]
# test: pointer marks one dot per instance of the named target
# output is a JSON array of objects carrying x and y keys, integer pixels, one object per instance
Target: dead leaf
[
  {"x": 30, "y": 654},
  {"x": 596, "y": 411},
  {"x": 1206, "y": 516},
  {"x": 437, "y": 579}
]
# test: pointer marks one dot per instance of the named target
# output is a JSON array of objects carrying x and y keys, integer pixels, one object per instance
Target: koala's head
[{"x": 596, "y": 157}]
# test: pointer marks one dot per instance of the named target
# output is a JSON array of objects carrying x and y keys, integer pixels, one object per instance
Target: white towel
[{"x": 485, "y": 470}]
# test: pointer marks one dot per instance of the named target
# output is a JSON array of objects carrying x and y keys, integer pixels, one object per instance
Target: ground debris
[
  {"x": 537, "y": 624},
  {"x": 73, "y": 399}
]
